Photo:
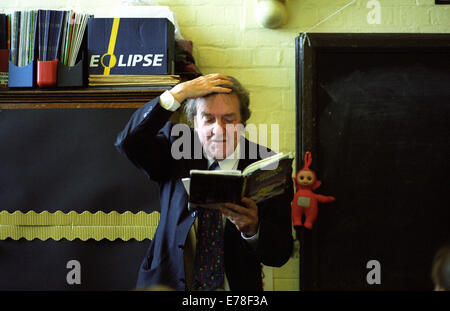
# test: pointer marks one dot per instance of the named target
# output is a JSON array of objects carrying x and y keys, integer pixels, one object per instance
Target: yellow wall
[{"x": 228, "y": 40}]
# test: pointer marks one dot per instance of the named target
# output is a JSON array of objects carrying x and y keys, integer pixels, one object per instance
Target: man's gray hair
[{"x": 190, "y": 107}]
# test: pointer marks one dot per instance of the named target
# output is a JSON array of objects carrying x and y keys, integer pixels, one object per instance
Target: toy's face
[{"x": 306, "y": 178}]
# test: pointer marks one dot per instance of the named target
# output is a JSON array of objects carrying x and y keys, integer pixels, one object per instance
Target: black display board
[
  {"x": 375, "y": 111},
  {"x": 65, "y": 159}
]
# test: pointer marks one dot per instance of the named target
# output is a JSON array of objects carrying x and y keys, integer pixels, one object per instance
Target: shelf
[{"x": 79, "y": 98}]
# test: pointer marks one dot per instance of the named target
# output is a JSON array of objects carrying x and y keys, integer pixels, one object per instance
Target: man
[
  {"x": 252, "y": 234},
  {"x": 440, "y": 270}
]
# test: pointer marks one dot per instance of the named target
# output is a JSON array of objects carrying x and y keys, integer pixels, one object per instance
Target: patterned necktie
[{"x": 209, "y": 268}]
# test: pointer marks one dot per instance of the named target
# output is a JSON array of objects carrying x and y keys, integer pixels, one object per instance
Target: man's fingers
[
  {"x": 237, "y": 209},
  {"x": 220, "y": 89},
  {"x": 234, "y": 211},
  {"x": 233, "y": 215},
  {"x": 217, "y": 76},
  {"x": 218, "y": 79},
  {"x": 248, "y": 202},
  {"x": 228, "y": 213},
  {"x": 244, "y": 218},
  {"x": 205, "y": 85},
  {"x": 222, "y": 82}
]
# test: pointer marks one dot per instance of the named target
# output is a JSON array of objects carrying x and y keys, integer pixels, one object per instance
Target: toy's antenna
[{"x": 308, "y": 159}]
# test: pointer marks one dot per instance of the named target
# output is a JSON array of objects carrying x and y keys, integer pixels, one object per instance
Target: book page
[
  {"x": 186, "y": 183},
  {"x": 265, "y": 184},
  {"x": 266, "y": 162},
  {"x": 217, "y": 172}
]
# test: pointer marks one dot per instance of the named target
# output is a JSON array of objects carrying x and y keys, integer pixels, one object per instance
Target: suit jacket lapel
[{"x": 249, "y": 153}]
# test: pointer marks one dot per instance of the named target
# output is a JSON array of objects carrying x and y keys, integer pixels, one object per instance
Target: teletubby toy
[{"x": 305, "y": 200}]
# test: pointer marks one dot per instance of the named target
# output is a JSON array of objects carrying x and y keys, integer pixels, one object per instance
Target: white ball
[{"x": 271, "y": 14}]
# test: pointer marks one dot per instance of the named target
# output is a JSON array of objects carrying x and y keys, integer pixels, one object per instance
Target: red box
[{"x": 47, "y": 73}]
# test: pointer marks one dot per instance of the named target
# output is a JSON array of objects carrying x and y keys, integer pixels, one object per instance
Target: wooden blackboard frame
[{"x": 307, "y": 48}]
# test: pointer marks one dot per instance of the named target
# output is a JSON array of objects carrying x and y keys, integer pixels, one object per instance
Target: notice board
[
  {"x": 64, "y": 159},
  {"x": 374, "y": 109}
]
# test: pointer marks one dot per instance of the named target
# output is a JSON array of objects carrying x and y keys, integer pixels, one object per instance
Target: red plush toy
[{"x": 305, "y": 200}]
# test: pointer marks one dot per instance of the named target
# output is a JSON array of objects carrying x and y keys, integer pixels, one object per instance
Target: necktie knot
[{"x": 214, "y": 166}]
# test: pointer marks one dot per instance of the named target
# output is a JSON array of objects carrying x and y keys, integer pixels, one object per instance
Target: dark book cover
[
  {"x": 3, "y": 31},
  {"x": 4, "y": 52},
  {"x": 215, "y": 188},
  {"x": 54, "y": 30},
  {"x": 49, "y": 33}
]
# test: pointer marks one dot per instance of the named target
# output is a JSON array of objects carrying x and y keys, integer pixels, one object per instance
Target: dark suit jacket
[{"x": 147, "y": 141}]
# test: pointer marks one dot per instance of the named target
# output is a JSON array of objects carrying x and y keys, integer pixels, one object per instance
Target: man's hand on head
[
  {"x": 245, "y": 218},
  {"x": 200, "y": 87}
]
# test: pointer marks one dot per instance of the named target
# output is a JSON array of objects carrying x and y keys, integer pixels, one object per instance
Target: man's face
[{"x": 214, "y": 113}]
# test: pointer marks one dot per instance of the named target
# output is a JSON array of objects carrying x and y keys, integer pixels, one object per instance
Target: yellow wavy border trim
[{"x": 72, "y": 225}]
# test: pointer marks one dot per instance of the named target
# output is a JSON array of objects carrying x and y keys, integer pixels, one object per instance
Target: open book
[{"x": 259, "y": 181}]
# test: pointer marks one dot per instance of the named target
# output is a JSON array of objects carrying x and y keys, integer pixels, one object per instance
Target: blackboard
[
  {"x": 65, "y": 159},
  {"x": 375, "y": 111}
]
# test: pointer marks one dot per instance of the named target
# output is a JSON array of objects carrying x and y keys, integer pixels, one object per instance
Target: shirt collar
[{"x": 230, "y": 162}]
